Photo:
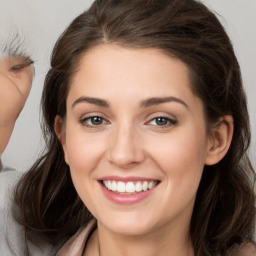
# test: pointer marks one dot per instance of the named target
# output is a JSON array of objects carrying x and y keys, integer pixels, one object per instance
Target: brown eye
[
  {"x": 93, "y": 121},
  {"x": 162, "y": 121},
  {"x": 96, "y": 120}
]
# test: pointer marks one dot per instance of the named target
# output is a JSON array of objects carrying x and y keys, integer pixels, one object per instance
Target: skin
[
  {"x": 128, "y": 141},
  {"x": 16, "y": 75}
]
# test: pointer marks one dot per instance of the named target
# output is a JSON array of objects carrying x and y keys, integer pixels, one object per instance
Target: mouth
[{"x": 129, "y": 187}]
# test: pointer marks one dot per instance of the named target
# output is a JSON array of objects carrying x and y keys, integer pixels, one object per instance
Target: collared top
[
  {"x": 12, "y": 236},
  {"x": 75, "y": 246}
]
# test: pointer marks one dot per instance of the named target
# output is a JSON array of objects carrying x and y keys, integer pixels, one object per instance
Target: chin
[{"x": 129, "y": 225}]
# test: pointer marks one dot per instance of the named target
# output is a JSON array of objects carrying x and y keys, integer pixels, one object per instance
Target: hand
[{"x": 16, "y": 75}]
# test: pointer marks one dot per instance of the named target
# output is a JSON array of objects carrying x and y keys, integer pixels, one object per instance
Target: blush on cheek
[
  {"x": 182, "y": 157},
  {"x": 83, "y": 154}
]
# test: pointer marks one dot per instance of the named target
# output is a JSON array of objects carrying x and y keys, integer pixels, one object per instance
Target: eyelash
[
  {"x": 167, "y": 121},
  {"x": 21, "y": 66},
  {"x": 85, "y": 121}
]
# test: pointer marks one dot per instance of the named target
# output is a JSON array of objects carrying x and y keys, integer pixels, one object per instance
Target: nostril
[{"x": 126, "y": 157}]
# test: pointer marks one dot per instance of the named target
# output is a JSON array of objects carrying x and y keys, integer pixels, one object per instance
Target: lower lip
[{"x": 126, "y": 198}]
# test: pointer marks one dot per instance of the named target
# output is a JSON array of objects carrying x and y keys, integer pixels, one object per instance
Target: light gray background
[{"x": 49, "y": 18}]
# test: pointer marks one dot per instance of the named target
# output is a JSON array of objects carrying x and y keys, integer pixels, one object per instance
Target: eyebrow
[
  {"x": 144, "y": 104},
  {"x": 14, "y": 46},
  {"x": 95, "y": 101},
  {"x": 156, "y": 101}
]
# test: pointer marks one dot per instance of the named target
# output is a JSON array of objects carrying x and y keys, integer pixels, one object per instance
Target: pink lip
[{"x": 126, "y": 199}]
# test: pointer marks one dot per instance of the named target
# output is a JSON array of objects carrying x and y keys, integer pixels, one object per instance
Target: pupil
[
  {"x": 96, "y": 120},
  {"x": 161, "y": 121}
]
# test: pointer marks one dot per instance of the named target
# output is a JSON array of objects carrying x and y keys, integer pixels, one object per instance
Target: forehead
[
  {"x": 113, "y": 62},
  {"x": 109, "y": 70}
]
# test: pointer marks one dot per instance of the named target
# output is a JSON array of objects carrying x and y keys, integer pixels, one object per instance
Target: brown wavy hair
[{"x": 224, "y": 211}]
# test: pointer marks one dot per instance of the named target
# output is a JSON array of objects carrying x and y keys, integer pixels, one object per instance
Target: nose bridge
[{"x": 125, "y": 149}]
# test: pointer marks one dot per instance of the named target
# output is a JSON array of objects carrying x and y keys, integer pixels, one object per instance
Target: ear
[
  {"x": 59, "y": 128},
  {"x": 220, "y": 140}
]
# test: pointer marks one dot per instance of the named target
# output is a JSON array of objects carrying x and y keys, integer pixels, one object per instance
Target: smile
[{"x": 129, "y": 187}]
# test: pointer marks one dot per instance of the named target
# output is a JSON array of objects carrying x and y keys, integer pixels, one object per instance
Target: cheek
[
  {"x": 83, "y": 154},
  {"x": 26, "y": 84},
  {"x": 181, "y": 158},
  {"x": 182, "y": 165},
  {"x": 180, "y": 149},
  {"x": 83, "y": 151}
]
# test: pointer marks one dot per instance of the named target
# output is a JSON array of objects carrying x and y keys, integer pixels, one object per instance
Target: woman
[
  {"x": 16, "y": 75},
  {"x": 16, "y": 70},
  {"x": 147, "y": 130}
]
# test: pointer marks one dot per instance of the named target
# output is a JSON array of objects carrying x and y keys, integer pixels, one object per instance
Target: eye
[
  {"x": 21, "y": 66},
  {"x": 93, "y": 121},
  {"x": 162, "y": 121}
]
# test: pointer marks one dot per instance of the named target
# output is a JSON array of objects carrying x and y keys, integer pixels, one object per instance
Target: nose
[{"x": 126, "y": 147}]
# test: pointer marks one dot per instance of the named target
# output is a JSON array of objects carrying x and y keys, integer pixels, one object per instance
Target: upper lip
[{"x": 126, "y": 179}]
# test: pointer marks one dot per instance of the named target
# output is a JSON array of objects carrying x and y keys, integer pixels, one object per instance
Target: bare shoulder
[{"x": 245, "y": 249}]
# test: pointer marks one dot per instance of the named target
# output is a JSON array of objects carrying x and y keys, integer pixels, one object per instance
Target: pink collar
[{"x": 76, "y": 244}]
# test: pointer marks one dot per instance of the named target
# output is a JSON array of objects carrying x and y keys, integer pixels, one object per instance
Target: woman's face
[
  {"x": 17, "y": 70},
  {"x": 16, "y": 75},
  {"x": 134, "y": 126}
]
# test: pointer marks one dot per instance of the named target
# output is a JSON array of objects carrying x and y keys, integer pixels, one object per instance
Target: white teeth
[
  {"x": 120, "y": 187},
  {"x": 145, "y": 185},
  {"x": 129, "y": 187},
  {"x": 138, "y": 187},
  {"x": 114, "y": 186},
  {"x": 109, "y": 185}
]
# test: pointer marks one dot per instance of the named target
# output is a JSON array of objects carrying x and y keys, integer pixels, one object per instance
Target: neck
[{"x": 104, "y": 243}]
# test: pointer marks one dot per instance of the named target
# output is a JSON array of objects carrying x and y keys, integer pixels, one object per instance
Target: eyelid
[
  {"x": 160, "y": 113},
  {"x": 21, "y": 65},
  {"x": 172, "y": 121},
  {"x": 83, "y": 119},
  {"x": 88, "y": 114}
]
